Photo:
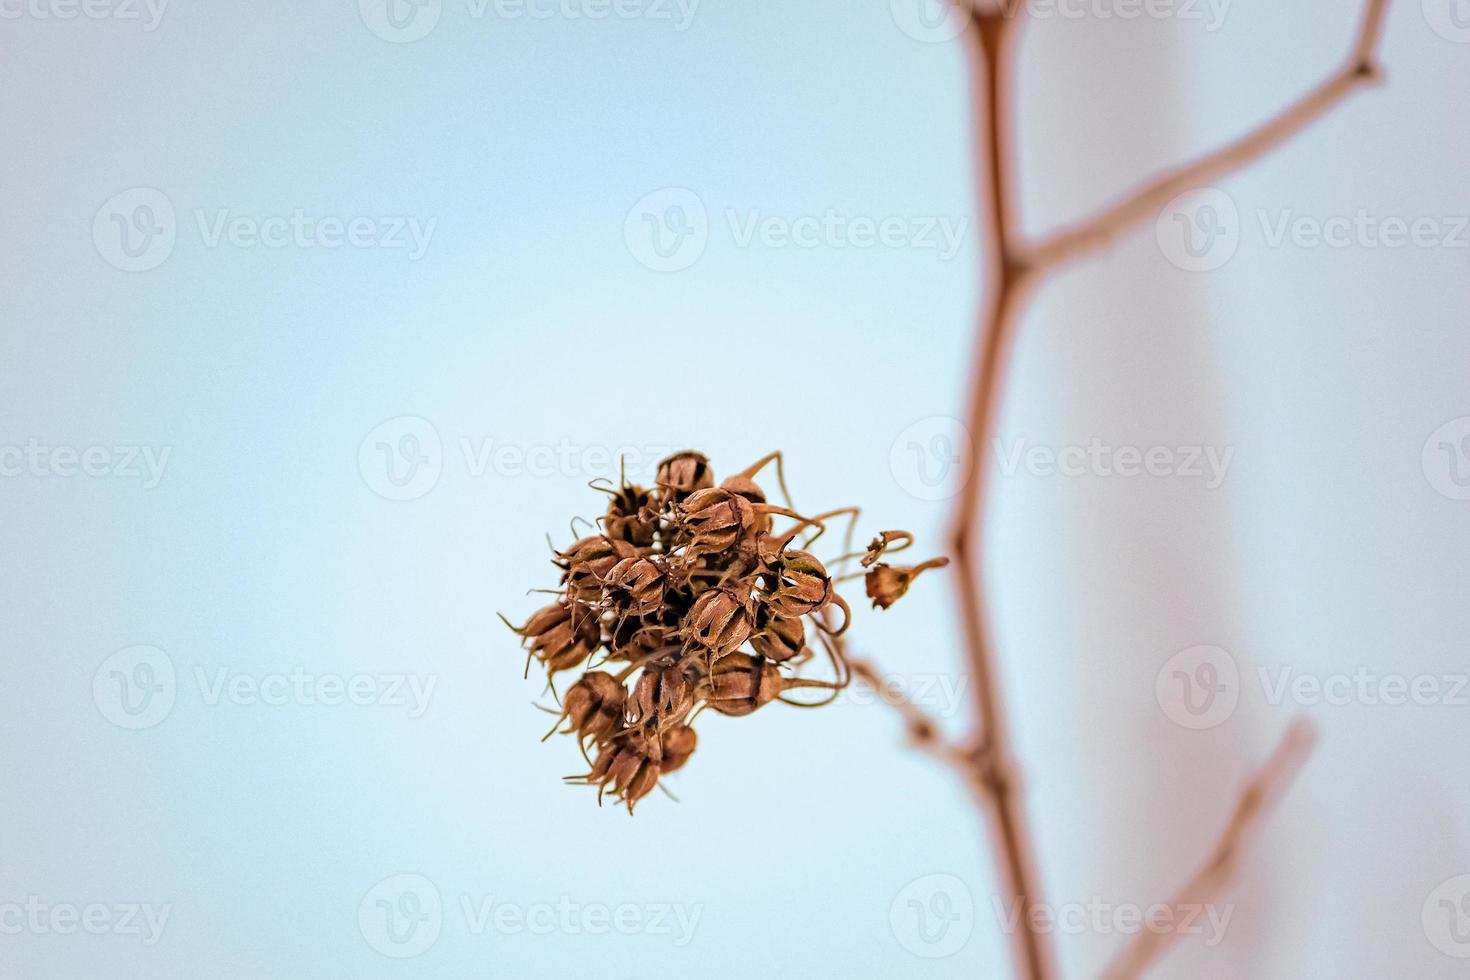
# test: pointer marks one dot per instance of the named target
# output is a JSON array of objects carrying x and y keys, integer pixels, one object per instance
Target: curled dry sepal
[{"x": 692, "y": 597}]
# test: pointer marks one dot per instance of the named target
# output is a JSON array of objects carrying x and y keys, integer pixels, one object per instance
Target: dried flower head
[
  {"x": 887, "y": 584},
  {"x": 690, "y": 597}
]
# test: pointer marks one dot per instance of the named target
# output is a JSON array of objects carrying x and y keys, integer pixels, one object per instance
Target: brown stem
[
  {"x": 992, "y": 772},
  {"x": 1096, "y": 231},
  {"x": 1011, "y": 269},
  {"x": 1267, "y": 786},
  {"x": 922, "y": 729}
]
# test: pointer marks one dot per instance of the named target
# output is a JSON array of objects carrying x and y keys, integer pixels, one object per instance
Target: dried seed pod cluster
[{"x": 689, "y": 597}]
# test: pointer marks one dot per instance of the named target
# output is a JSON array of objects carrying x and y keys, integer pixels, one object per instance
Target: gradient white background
[{"x": 529, "y": 321}]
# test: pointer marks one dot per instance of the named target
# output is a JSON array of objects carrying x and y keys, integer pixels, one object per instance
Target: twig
[
  {"x": 1268, "y": 785},
  {"x": 922, "y": 729},
  {"x": 1011, "y": 269},
  {"x": 1096, "y": 231}
]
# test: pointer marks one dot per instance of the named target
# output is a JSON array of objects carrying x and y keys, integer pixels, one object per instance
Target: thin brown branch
[
  {"x": 922, "y": 729},
  {"x": 1360, "y": 68},
  {"x": 1260, "y": 794},
  {"x": 993, "y": 773},
  {"x": 1011, "y": 269}
]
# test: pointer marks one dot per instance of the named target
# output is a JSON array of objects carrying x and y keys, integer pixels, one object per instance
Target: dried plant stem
[
  {"x": 1096, "y": 231},
  {"x": 1011, "y": 269},
  {"x": 1267, "y": 786}
]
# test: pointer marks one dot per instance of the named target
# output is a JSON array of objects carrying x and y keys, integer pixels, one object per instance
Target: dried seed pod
[
  {"x": 712, "y": 520},
  {"x": 776, "y": 637},
  {"x": 561, "y": 637},
  {"x": 886, "y": 584},
  {"x": 625, "y": 767},
  {"x": 719, "y": 621},
  {"x": 886, "y": 541},
  {"x": 629, "y": 516},
  {"x": 683, "y": 473},
  {"x": 634, "y": 639},
  {"x": 677, "y": 744},
  {"x": 635, "y": 586},
  {"x": 739, "y": 683},
  {"x": 586, "y": 563},
  {"x": 746, "y": 488},
  {"x": 801, "y": 584},
  {"x": 662, "y": 696},
  {"x": 594, "y": 706}
]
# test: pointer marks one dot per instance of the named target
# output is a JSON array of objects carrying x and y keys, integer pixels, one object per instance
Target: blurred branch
[
  {"x": 1360, "y": 68},
  {"x": 1260, "y": 794},
  {"x": 1011, "y": 270}
]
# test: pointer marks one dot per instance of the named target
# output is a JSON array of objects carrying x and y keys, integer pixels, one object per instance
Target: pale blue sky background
[{"x": 529, "y": 321}]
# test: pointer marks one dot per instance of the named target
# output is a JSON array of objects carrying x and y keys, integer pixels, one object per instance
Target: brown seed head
[
  {"x": 677, "y": 745},
  {"x": 662, "y": 696},
  {"x": 683, "y": 473},
  {"x": 886, "y": 584},
  {"x": 801, "y": 585},
  {"x": 636, "y": 586},
  {"x": 714, "y": 519},
  {"x": 777, "y": 637},
  {"x": 739, "y": 683},
  {"x": 586, "y": 563},
  {"x": 719, "y": 621},
  {"x": 629, "y": 517},
  {"x": 569, "y": 643},
  {"x": 594, "y": 706},
  {"x": 626, "y": 768}
]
